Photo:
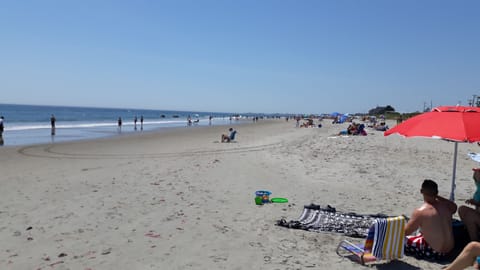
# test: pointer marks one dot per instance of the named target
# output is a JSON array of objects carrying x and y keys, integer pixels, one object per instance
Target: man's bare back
[
  {"x": 434, "y": 219},
  {"x": 435, "y": 223}
]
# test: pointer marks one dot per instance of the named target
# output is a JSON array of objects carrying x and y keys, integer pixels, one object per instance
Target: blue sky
[{"x": 240, "y": 56}]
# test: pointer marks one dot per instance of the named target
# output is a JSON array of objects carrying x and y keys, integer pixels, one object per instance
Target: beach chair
[
  {"x": 385, "y": 241},
  {"x": 232, "y": 135}
]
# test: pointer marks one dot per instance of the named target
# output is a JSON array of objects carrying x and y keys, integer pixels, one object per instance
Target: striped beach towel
[
  {"x": 389, "y": 238},
  {"x": 368, "y": 247},
  {"x": 328, "y": 219},
  {"x": 384, "y": 241}
]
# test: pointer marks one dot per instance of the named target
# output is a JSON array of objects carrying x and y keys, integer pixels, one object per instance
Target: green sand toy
[{"x": 279, "y": 200}]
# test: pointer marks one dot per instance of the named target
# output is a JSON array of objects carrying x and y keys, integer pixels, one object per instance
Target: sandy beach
[{"x": 179, "y": 199}]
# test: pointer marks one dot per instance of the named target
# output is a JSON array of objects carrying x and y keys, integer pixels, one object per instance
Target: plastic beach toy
[
  {"x": 279, "y": 200},
  {"x": 262, "y": 192},
  {"x": 262, "y": 196}
]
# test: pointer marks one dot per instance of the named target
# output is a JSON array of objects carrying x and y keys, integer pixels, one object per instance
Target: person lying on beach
[
  {"x": 361, "y": 130},
  {"x": 350, "y": 130},
  {"x": 229, "y": 138},
  {"x": 434, "y": 219},
  {"x": 381, "y": 127},
  {"x": 468, "y": 257},
  {"x": 471, "y": 217},
  {"x": 309, "y": 123},
  {"x": 354, "y": 129}
]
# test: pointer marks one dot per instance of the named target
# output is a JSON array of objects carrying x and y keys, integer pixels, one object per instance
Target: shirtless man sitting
[{"x": 434, "y": 219}]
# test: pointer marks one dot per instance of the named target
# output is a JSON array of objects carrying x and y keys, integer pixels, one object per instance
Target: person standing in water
[
  {"x": 119, "y": 124},
  {"x": 52, "y": 123},
  {"x": 1, "y": 129}
]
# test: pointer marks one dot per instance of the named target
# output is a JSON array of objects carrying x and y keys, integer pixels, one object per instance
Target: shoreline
[
  {"x": 182, "y": 199},
  {"x": 43, "y": 136},
  {"x": 31, "y": 124}
]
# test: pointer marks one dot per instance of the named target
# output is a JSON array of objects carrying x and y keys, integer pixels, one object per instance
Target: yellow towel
[{"x": 394, "y": 238}]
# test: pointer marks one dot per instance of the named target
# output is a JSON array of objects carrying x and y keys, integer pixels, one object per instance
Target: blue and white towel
[{"x": 474, "y": 156}]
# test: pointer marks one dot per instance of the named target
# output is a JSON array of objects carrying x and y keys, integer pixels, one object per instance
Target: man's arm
[
  {"x": 472, "y": 202},
  {"x": 450, "y": 205},
  {"x": 414, "y": 223}
]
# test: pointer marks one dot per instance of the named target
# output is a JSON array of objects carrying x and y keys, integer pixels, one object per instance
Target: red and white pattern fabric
[{"x": 415, "y": 245}]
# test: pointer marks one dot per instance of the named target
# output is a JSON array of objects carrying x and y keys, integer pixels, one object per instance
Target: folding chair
[{"x": 385, "y": 241}]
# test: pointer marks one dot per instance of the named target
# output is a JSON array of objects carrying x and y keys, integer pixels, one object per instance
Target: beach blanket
[
  {"x": 474, "y": 156},
  {"x": 328, "y": 219}
]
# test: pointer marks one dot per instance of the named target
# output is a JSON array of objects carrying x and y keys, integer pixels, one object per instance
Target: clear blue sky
[{"x": 295, "y": 56}]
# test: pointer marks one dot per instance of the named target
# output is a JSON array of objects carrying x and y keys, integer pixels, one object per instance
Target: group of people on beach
[
  {"x": 382, "y": 126},
  {"x": 224, "y": 138},
  {"x": 307, "y": 123},
  {"x": 135, "y": 120},
  {"x": 190, "y": 121},
  {"x": 435, "y": 219},
  {"x": 354, "y": 129},
  {"x": 2, "y": 127},
  {"x": 359, "y": 129}
]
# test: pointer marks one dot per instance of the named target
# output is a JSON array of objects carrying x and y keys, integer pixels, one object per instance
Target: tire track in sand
[{"x": 50, "y": 151}]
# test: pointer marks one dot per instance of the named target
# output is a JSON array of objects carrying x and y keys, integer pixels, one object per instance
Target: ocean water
[{"x": 30, "y": 124}]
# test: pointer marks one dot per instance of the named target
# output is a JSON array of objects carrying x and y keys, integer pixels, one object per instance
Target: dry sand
[{"x": 179, "y": 199}]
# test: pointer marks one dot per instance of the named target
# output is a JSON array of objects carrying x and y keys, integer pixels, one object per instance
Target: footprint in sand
[
  {"x": 222, "y": 229},
  {"x": 219, "y": 258},
  {"x": 256, "y": 244},
  {"x": 287, "y": 244}
]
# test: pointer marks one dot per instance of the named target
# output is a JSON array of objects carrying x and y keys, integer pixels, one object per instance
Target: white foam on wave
[{"x": 72, "y": 125}]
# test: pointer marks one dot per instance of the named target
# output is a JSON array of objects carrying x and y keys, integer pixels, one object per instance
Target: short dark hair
[{"x": 430, "y": 187}]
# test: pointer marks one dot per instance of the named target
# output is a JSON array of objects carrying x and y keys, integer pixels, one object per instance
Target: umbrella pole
[{"x": 452, "y": 192}]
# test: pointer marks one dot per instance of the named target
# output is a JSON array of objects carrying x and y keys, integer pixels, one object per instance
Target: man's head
[
  {"x": 230, "y": 129},
  {"x": 429, "y": 188}
]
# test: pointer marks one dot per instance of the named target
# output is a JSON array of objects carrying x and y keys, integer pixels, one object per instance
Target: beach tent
[
  {"x": 338, "y": 117},
  {"x": 450, "y": 123}
]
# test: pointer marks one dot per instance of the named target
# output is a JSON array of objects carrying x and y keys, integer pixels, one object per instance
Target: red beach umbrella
[{"x": 451, "y": 123}]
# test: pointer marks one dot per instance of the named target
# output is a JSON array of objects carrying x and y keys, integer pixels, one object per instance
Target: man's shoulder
[
  {"x": 424, "y": 211},
  {"x": 424, "y": 207}
]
